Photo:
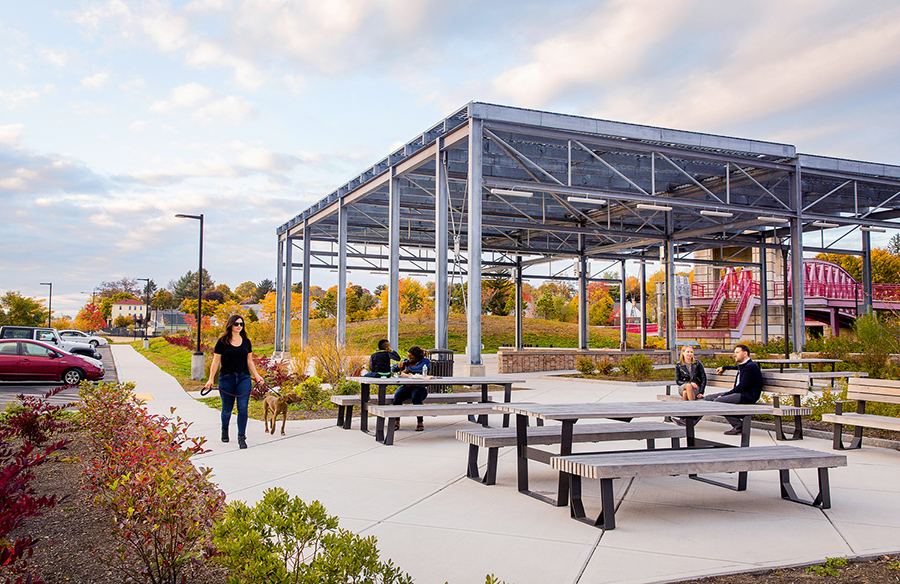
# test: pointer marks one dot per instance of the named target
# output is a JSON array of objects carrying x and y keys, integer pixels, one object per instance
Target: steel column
[
  {"x": 581, "y": 262},
  {"x": 623, "y": 339},
  {"x": 867, "y": 272},
  {"x": 797, "y": 295},
  {"x": 279, "y": 297},
  {"x": 763, "y": 295},
  {"x": 394, "y": 260},
  {"x": 520, "y": 307},
  {"x": 476, "y": 130},
  {"x": 341, "y": 316},
  {"x": 305, "y": 300},
  {"x": 643, "y": 283},
  {"x": 441, "y": 245},
  {"x": 288, "y": 275},
  {"x": 670, "y": 288}
]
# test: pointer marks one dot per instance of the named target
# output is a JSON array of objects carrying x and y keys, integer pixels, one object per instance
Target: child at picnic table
[
  {"x": 416, "y": 363},
  {"x": 380, "y": 361}
]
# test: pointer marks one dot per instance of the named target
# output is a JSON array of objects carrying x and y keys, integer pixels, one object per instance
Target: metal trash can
[{"x": 441, "y": 362}]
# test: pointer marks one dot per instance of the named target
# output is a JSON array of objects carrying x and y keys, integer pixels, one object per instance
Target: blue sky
[{"x": 116, "y": 115}]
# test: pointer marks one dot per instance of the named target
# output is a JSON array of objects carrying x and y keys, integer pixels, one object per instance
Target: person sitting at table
[
  {"x": 416, "y": 363},
  {"x": 380, "y": 361},
  {"x": 690, "y": 375},
  {"x": 747, "y": 386}
]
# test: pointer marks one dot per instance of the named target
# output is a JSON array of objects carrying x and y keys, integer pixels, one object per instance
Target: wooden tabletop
[
  {"x": 797, "y": 361},
  {"x": 433, "y": 380},
  {"x": 631, "y": 409}
]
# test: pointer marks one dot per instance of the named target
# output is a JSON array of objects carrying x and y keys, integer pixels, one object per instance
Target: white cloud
[
  {"x": 19, "y": 97},
  {"x": 11, "y": 135},
  {"x": 258, "y": 157},
  {"x": 95, "y": 81},
  {"x": 138, "y": 126},
  {"x": 136, "y": 83},
  {"x": 57, "y": 58},
  {"x": 188, "y": 95},
  {"x": 231, "y": 109}
]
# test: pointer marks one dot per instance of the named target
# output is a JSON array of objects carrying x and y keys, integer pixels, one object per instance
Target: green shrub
[
  {"x": 637, "y": 367},
  {"x": 312, "y": 393},
  {"x": 346, "y": 387},
  {"x": 284, "y": 540},
  {"x": 604, "y": 366},
  {"x": 585, "y": 365}
]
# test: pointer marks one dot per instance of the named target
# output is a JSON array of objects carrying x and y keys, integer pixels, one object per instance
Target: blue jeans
[
  {"x": 415, "y": 393},
  {"x": 235, "y": 388}
]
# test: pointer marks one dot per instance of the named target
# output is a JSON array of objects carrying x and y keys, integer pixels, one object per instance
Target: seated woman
[
  {"x": 690, "y": 375},
  {"x": 416, "y": 363}
]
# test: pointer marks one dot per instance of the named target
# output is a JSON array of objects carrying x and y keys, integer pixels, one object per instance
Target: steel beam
[
  {"x": 279, "y": 296},
  {"x": 520, "y": 307},
  {"x": 441, "y": 246},
  {"x": 584, "y": 341},
  {"x": 867, "y": 271},
  {"x": 797, "y": 292}
]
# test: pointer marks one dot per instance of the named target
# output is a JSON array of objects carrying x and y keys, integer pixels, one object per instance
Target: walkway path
[{"x": 439, "y": 526}]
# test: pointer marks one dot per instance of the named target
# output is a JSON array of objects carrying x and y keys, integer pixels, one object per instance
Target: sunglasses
[{"x": 238, "y": 324}]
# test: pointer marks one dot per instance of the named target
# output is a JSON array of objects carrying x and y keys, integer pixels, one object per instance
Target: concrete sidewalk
[{"x": 439, "y": 526}]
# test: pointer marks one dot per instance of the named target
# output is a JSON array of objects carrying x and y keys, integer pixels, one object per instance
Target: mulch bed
[{"x": 75, "y": 534}]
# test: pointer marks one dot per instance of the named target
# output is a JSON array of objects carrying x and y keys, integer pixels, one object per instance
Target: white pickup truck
[{"x": 49, "y": 336}]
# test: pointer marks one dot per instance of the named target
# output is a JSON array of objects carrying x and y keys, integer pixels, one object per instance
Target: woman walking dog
[{"x": 234, "y": 353}]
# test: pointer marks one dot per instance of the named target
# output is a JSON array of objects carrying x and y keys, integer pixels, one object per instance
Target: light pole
[
  {"x": 198, "y": 360},
  {"x": 146, "y": 310},
  {"x": 49, "y": 301}
]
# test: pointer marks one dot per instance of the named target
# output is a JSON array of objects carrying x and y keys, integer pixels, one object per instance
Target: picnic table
[
  {"x": 809, "y": 362},
  {"x": 569, "y": 414},
  {"x": 382, "y": 383}
]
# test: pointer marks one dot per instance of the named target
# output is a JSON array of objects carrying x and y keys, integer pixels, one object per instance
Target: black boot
[
  {"x": 242, "y": 441},
  {"x": 224, "y": 434}
]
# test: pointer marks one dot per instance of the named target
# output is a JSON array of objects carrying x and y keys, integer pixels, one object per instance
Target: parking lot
[{"x": 10, "y": 389}]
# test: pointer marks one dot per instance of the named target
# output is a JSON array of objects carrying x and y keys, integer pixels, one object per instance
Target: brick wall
[{"x": 539, "y": 359}]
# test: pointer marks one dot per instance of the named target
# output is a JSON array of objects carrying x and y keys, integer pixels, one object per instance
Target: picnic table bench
[
  {"x": 346, "y": 403},
  {"x": 392, "y": 414},
  {"x": 495, "y": 438},
  {"x": 862, "y": 390},
  {"x": 776, "y": 383},
  {"x": 613, "y": 465}
]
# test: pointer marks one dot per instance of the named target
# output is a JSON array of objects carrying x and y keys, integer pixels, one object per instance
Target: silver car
[{"x": 82, "y": 337}]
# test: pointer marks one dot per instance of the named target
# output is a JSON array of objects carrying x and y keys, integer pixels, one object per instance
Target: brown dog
[{"x": 278, "y": 405}]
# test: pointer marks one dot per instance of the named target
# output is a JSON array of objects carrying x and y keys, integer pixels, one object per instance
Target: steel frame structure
[{"x": 511, "y": 189}]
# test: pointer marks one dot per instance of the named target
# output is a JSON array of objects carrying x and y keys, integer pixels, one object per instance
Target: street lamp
[
  {"x": 49, "y": 302},
  {"x": 147, "y": 310},
  {"x": 198, "y": 362}
]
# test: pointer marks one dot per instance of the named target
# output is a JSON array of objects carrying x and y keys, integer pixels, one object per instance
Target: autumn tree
[
  {"x": 163, "y": 300},
  {"x": 127, "y": 286},
  {"x": 90, "y": 318},
  {"x": 19, "y": 310},
  {"x": 246, "y": 291},
  {"x": 267, "y": 306}
]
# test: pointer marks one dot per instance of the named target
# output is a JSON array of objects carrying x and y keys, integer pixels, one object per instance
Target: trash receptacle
[{"x": 441, "y": 362}]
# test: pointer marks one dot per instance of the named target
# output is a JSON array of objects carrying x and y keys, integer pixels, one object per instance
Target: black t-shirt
[{"x": 234, "y": 359}]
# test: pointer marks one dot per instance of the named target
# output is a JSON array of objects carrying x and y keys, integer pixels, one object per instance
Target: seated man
[{"x": 747, "y": 386}]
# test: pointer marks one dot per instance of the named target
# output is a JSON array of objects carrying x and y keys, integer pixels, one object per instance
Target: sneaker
[
  {"x": 224, "y": 434},
  {"x": 396, "y": 425},
  {"x": 733, "y": 432},
  {"x": 420, "y": 427},
  {"x": 242, "y": 441}
]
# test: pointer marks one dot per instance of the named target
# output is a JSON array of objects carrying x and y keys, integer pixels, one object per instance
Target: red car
[{"x": 26, "y": 360}]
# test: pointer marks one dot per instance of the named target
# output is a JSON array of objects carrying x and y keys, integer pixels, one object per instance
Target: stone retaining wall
[{"x": 549, "y": 359}]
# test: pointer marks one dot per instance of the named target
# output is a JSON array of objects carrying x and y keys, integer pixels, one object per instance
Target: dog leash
[{"x": 205, "y": 391}]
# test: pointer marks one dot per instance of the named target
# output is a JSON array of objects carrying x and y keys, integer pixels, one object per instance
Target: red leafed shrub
[
  {"x": 18, "y": 499},
  {"x": 162, "y": 506},
  {"x": 186, "y": 342},
  {"x": 36, "y": 419}
]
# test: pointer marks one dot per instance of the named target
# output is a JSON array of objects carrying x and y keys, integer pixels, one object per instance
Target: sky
[{"x": 116, "y": 115}]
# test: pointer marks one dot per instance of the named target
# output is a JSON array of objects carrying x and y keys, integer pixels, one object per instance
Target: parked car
[
  {"x": 83, "y": 337},
  {"x": 28, "y": 360},
  {"x": 50, "y": 336}
]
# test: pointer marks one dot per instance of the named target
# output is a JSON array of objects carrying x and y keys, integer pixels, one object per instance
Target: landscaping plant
[
  {"x": 284, "y": 540},
  {"x": 637, "y": 367},
  {"x": 162, "y": 507}
]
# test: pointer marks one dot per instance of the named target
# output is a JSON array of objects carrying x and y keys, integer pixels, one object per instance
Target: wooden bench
[
  {"x": 862, "y": 390},
  {"x": 392, "y": 413},
  {"x": 495, "y": 438},
  {"x": 346, "y": 403},
  {"x": 690, "y": 461},
  {"x": 778, "y": 384}
]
